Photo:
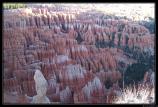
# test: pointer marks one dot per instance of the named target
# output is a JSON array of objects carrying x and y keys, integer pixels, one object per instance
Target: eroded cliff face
[{"x": 76, "y": 52}]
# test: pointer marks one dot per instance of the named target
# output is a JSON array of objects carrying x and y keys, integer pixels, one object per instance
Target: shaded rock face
[{"x": 77, "y": 55}]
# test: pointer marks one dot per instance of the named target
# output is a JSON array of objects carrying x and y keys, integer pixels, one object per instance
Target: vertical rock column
[{"x": 41, "y": 88}]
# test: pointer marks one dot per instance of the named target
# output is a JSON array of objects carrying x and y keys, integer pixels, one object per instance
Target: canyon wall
[{"x": 77, "y": 52}]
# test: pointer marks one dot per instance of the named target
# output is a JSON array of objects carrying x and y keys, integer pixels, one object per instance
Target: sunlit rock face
[
  {"x": 41, "y": 88},
  {"x": 77, "y": 52}
]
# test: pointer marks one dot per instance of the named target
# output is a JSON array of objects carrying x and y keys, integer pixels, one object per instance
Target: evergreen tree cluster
[{"x": 13, "y": 5}]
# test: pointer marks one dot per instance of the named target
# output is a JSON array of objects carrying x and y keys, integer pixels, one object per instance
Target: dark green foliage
[
  {"x": 121, "y": 27},
  {"x": 127, "y": 49},
  {"x": 119, "y": 38},
  {"x": 79, "y": 38},
  {"x": 108, "y": 84},
  {"x": 101, "y": 44},
  {"x": 113, "y": 36},
  {"x": 135, "y": 73},
  {"x": 149, "y": 24},
  {"x": 13, "y": 5},
  {"x": 111, "y": 44},
  {"x": 127, "y": 38}
]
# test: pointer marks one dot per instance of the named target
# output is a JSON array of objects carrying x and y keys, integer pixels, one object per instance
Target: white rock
[
  {"x": 62, "y": 58},
  {"x": 41, "y": 88}
]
